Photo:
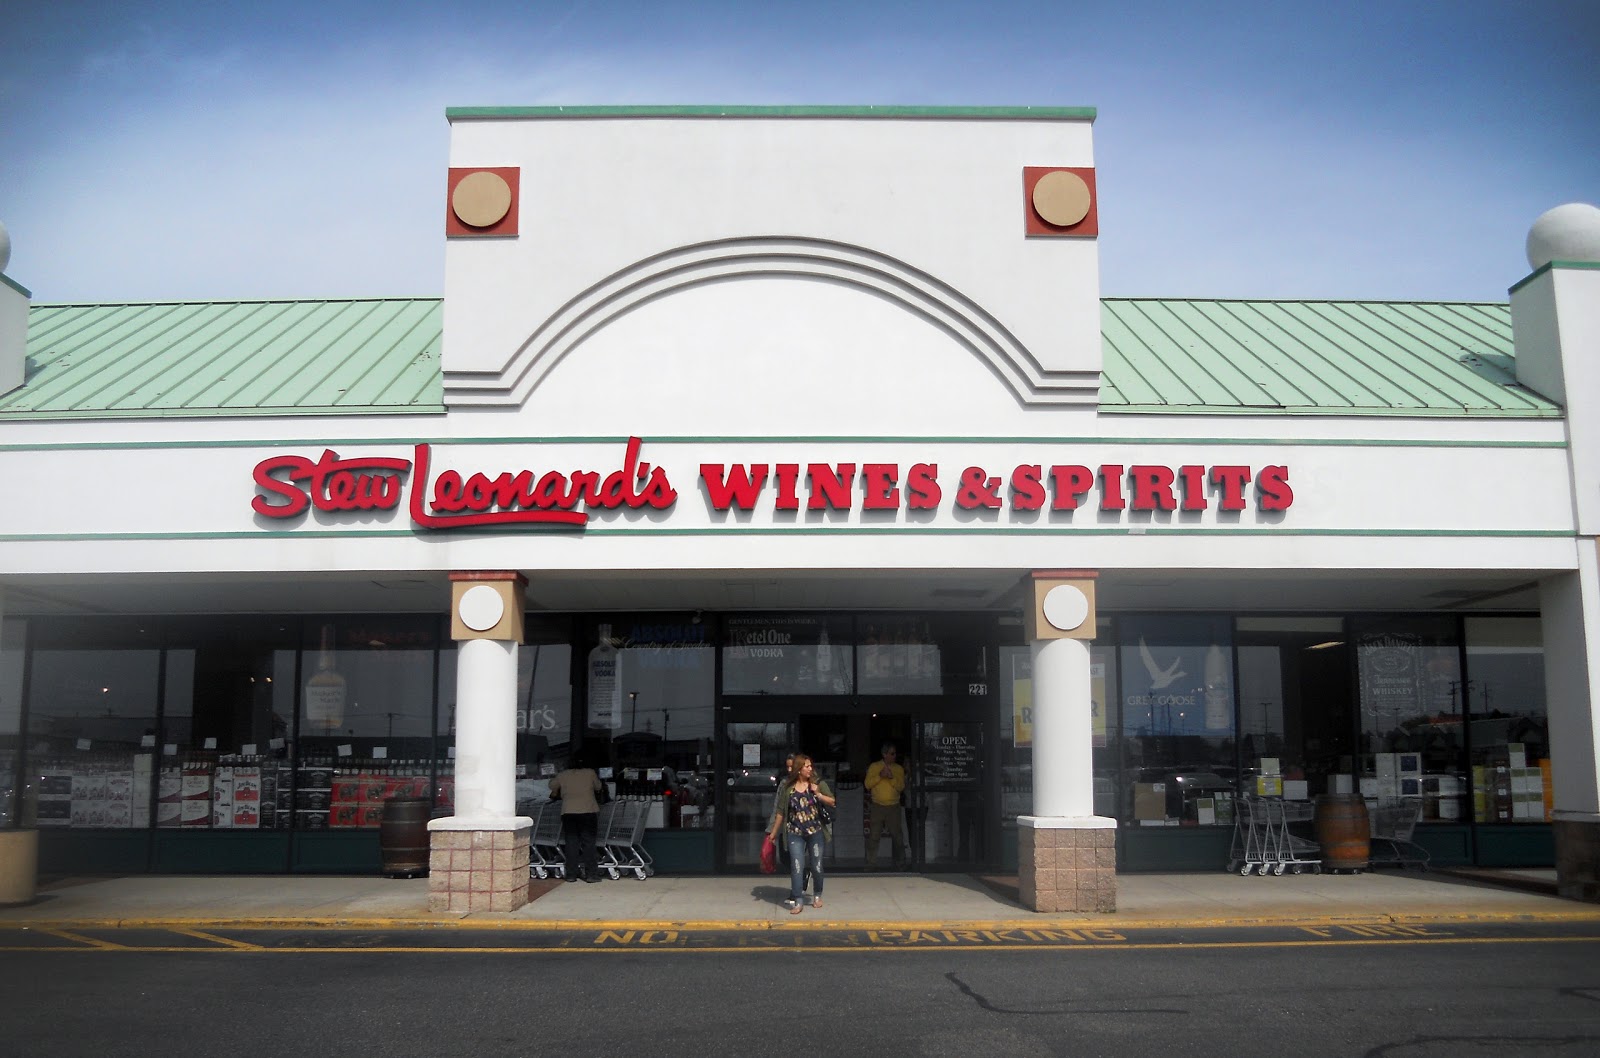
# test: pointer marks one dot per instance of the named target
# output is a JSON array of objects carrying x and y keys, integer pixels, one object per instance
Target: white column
[
  {"x": 1063, "y": 729},
  {"x": 1555, "y": 323},
  {"x": 486, "y": 730},
  {"x": 1570, "y": 617}
]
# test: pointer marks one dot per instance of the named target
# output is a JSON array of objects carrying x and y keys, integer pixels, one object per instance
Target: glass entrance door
[
  {"x": 752, "y": 756},
  {"x": 946, "y": 795},
  {"x": 870, "y": 732},
  {"x": 944, "y": 809}
]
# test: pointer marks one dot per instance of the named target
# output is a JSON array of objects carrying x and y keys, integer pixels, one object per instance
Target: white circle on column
[
  {"x": 481, "y": 608},
  {"x": 1065, "y": 607}
]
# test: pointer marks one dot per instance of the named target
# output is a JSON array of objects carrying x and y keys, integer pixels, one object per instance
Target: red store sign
[{"x": 290, "y": 485}]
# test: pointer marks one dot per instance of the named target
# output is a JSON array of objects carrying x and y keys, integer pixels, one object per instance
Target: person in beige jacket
[{"x": 579, "y": 789}]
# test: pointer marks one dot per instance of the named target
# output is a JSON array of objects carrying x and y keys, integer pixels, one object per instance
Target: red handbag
[{"x": 769, "y": 855}]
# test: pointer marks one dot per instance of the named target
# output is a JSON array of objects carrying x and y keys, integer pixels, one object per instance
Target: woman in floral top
[{"x": 802, "y": 829}]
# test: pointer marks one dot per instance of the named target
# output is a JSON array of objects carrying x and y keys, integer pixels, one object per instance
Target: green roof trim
[
  {"x": 668, "y": 439},
  {"x": 1542, "y": 269},
  {"x": 990, "y": 113},
  {"x": 1161, "y": 356},
  {"x": 14, "y": 285}
]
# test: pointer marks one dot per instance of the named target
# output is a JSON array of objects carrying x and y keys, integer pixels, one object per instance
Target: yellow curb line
[{"x": 836, "y": 926}]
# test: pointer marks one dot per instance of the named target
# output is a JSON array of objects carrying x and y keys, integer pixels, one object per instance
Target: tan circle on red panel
[
  {"x": 1061, "y": 198},
  {"x": 481, "y": 199}
]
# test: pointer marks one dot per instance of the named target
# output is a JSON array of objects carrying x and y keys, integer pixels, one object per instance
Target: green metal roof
[
  {"x": 1312, "y": 358},
  {"x": 357, "y": 357},
  {"x": 381, "y": 356}
]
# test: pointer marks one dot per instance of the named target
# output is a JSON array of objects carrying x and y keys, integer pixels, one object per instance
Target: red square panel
[
  {"x": 482, "y": 201},
  {"x": 1036, "y": 224}
]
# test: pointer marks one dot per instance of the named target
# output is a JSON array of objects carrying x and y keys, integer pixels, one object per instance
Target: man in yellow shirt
[{"x": 886, "y": 781}]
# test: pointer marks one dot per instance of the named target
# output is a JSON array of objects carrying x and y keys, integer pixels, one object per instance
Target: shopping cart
[
  {"x": 622, "y": 838},
  {"x": 1262, "y": 841},
  {"x": 1246, "y": 853},
  {"x": 1295, "y": 853},
  {"x": 1392, "y": 823},
  {"x": 545, "y": 858}
]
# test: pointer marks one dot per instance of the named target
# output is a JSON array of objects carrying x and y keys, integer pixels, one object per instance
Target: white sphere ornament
[
  {"x": 5, "y": 247},
  {"x": 1065, "y": 607},
  {"x": 481, "y": 608},
  {"x": 1566, "y": 233}
]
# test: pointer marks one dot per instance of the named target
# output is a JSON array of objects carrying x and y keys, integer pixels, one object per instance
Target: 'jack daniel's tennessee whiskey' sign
[{"x": 290, "y": 485}]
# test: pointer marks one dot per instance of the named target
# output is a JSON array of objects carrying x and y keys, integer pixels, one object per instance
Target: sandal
[
  {"x": 817, "y": 902},
  {"x": 797, "y": 908}
]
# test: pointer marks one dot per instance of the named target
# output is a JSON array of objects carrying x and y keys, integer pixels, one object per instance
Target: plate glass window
[
  {"x": 13, "y": 635},
  {"x": 1510, "y": 733}
]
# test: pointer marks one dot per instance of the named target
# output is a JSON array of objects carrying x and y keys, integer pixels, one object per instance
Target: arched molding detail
[{"x": 699, "y": 264}]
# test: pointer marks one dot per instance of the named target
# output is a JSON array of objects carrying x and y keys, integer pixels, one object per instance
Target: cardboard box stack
[
  {"x": 1510, "y": 788},
  {"x": 55, "y": 794},
  {"x": 1269, "y": 783},
  {"x": 195, "y": 804},
  {"x": 1150, "y": 803},
  {"x": 313, "y": 793}
]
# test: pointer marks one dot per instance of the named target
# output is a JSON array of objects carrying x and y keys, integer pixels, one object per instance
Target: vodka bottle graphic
[
  {"x": 605, "y": 689},
  {"x": 325, "y": 690},
  {"x": 1219, "y": 696}
]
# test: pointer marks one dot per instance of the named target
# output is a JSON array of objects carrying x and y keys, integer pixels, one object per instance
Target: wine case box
[
  {"x": 1149, "y": 800},
  {"x": 344, "y": 816},
  {"x": 54, "y": 812},
  {"x": 55, "y": 784},
  {"x": 312, "y": 801},
  {"x": 316, "y": 778}
]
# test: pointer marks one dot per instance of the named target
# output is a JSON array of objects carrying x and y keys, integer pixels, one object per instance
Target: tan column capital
[
  {"x": 487, "y": 604},
  {"x": 1061, "y": 604}
]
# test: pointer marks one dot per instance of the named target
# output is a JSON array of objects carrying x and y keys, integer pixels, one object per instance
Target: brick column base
[
  {"x": 1577, "y": 859},
  {"x": 1066, "y": 868},
  {"x": 478, "y": 870}
]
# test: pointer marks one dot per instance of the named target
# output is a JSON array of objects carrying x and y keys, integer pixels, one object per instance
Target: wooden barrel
[
  {"x": 403, "y": 836},
  {"x": 1343, "y": 832}
]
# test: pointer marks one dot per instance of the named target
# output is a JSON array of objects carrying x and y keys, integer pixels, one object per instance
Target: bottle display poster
[
  {"x": 1391, "y": 675},
  {"x": 605, "y": 687}
]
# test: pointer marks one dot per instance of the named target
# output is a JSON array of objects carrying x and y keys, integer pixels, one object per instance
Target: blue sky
[{"x": 1392, "y": 150}]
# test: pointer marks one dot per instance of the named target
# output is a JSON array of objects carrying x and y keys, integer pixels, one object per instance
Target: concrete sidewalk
[{"x": 755, "y": 902}]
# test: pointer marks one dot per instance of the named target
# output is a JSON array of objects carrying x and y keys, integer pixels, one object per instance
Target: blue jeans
[{"x": 805, "y": 854}]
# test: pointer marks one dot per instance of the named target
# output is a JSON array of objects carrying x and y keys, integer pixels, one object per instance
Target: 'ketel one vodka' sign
[{"x": 442, "y": 498}]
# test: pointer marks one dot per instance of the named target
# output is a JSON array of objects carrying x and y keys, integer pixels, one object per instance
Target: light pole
[{"x": 633, "y": 705}]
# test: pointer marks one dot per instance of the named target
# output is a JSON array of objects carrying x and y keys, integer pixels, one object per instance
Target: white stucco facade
[{"x": 845, "y": 292}]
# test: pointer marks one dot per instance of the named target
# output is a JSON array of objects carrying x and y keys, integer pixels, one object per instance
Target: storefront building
[{"x": 739, "y": 431}]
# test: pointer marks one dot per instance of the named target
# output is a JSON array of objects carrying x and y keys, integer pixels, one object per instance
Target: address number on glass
[{"x": 977, "y": 690}]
